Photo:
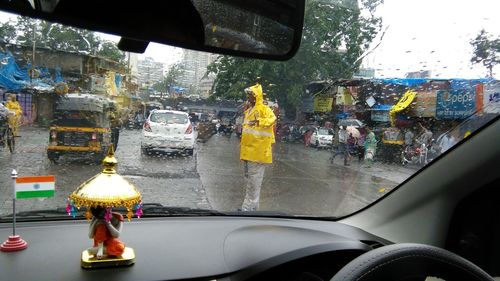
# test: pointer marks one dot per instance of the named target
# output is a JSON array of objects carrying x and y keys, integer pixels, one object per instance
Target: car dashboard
[{"x": 201, "y": 248}]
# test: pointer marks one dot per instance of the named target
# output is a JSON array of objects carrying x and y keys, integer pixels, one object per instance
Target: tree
[
  {"x": 109, "y": 50},
  {"x": 174, "y": 73},
  {"x": 335, "y": 38},
  {"x": 63, "y": 38},
  {"x": 171, "y": 78},
  {"x": 8, "y": 31},
  {"x": 486, "y": 51}
]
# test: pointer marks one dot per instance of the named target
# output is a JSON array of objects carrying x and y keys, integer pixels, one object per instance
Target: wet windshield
[
  {"x": 80, "y": 119},
  {"x": 169, "y": 118},
  {"x": 395, "y": 84}
]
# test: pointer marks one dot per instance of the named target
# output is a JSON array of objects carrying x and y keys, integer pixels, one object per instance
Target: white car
[
  {"x": 322, "y": 137},
  {"x": 168, "y": 130},
  {"x": 351, "y": 122}
]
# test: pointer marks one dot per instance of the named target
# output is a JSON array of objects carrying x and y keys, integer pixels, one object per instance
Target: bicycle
[{"x": 6, "y": 135}]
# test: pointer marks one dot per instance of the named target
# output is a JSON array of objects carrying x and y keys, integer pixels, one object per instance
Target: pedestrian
[
  {"x": 409, "y": 135},
  {"x": 308, "y": 136},
  {"x": 370, "y": 147},
  {"x": 425, "y": 136},
  {"x": 448, "y": 141},
  {"x": 116, "y": 124},
  {"x": 342, "y": 147},
  {"x": 351, "y": 146},
  {"x": 256, "y": 145},
  {"x": 14, "y": 120}
]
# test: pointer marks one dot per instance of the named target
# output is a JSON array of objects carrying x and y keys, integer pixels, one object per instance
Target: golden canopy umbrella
[{"x": 106, "y": 189}]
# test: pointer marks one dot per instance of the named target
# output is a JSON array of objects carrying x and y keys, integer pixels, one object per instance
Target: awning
[{"x": 402, "y": 104}]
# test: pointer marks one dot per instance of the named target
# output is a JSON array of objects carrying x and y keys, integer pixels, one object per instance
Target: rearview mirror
[{"x": 268, "y": 29}]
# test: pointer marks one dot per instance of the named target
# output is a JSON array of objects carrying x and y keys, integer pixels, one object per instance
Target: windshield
[
  {"x": 168, "y": 117},
  {"x": 80, "y": 119},
  {"x": 324, "y": 132},
  {"x": 394, "y": 83}
]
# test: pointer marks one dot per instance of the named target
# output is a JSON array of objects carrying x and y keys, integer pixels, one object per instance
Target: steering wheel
[{"x": 407, "y": 262}]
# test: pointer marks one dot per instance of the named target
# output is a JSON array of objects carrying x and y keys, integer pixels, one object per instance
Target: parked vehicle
[
  {"x": 322, "y": 137},
  {"x": 152, "y": 105},
  {"x": 6, "y": 135},
  {"x": 168, "y": 130},
  {"x": 351, "y": 122},
  {"x": 81, "y": 127},
  {"x": 226, "y": 121},
  {"x": 420, "y": 155}
]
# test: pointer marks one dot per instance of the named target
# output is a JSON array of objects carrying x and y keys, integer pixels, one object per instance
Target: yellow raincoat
[
  {"x": 257, "y": 140},
  {"x": 14, "y": 121}
]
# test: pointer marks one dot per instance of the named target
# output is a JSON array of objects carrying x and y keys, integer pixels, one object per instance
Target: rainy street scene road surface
[{"x": 301, "y": 179}]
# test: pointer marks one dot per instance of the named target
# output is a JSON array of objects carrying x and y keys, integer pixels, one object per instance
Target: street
[{"x": 300, "y": 181}]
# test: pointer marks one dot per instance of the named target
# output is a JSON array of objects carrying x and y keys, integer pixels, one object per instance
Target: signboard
[
  {"x": 380, "y": 115},
  {"x": 323, "y": 104},
  {"x": 455, "y": 104},
  {"x": 491, "y": 98},
  {"x": 308, "y": 105},
  {"x": 424, "y": 104}
]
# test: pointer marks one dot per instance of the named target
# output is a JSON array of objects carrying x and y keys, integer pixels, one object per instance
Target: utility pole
[{"x": 32, "y": 70}]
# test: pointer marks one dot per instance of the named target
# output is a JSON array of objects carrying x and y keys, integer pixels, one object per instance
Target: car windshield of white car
[{"x": 169, "y": 118}]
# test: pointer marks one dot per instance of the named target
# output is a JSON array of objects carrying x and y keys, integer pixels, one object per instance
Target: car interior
[{"x": 443, "y": 221}]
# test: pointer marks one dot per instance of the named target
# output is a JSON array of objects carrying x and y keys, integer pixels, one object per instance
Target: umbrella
[{"x": 355, "y": 132}]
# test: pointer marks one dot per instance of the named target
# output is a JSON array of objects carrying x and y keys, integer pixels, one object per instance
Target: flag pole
[
  {"x": 14, "y": 242},
  {"x": 13, "y": 175}
]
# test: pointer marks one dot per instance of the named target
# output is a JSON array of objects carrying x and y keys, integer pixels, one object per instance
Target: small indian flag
[{"x": 31, "y": 187}]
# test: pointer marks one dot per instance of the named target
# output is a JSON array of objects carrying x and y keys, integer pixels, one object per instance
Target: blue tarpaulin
[
  {"x": 385, "y": 107},
  {"x": 15, "y": 78},
  {"x": 118, "y": 80},
  {"x": 455, "y": 83}
]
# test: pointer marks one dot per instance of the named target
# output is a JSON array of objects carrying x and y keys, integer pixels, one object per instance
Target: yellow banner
[
  {"x": 403, "y": 103},
  {"x": 323, "y": 104}
]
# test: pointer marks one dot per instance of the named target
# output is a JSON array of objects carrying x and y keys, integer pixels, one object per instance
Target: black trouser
[{"x": 115, "y": 136}]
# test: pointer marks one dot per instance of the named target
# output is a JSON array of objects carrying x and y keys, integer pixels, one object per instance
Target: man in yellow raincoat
[
  {"x": 13, "y": 105},
  {"x": 256, "y": 144}
]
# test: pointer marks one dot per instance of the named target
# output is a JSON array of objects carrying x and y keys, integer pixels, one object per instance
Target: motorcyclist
[
  {"x": 14, "y": 120},
  {"x": 425, "y": 136}
]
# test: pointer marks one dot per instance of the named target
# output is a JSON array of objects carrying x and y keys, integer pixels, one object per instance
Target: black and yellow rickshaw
[
  {"x": 392, "y": 144},
  {"x": 81, "y": 127},
  {"x": 152, "y": 105}
]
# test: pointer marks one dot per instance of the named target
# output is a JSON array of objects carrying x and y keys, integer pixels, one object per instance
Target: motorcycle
[
  {"x": 418, "y": 155},
  {"x": 135, "y": 122}
]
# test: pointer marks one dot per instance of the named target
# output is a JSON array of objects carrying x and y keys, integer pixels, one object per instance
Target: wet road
[{"x": 300, "y": 181}]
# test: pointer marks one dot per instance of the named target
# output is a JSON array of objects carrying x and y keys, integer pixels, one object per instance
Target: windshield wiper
[
  {"x": 151, "y": 210},
  {"x": 58, "y": 213}
]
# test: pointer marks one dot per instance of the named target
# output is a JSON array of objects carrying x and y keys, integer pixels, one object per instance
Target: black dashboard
[{"x": 203, "y": 248}]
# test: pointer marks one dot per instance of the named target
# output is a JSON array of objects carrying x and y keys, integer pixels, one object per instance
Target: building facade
[
  {"x": 195, "y": 76},
  {"x": 149, "y": 72}
]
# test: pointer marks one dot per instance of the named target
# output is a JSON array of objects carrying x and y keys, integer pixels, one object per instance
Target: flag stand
[{"x": 14, "y": 242}]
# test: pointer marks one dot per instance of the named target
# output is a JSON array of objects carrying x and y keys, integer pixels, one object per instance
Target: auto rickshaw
[
  {"x": 392, "y": 144},
  {"x": 81, "y": 127},
  {"x": 152, "y": 105}
]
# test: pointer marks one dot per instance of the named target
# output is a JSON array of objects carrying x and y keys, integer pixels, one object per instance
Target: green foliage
[
  {"x": 109, "y": 50},
  {"x": 58, "y": 37},
  {"x": 486, "y": 51},
  {"x": 7, "y": 31},
  {"x": 171, "y": 78},
  {"x": 334, "y": 38}
]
